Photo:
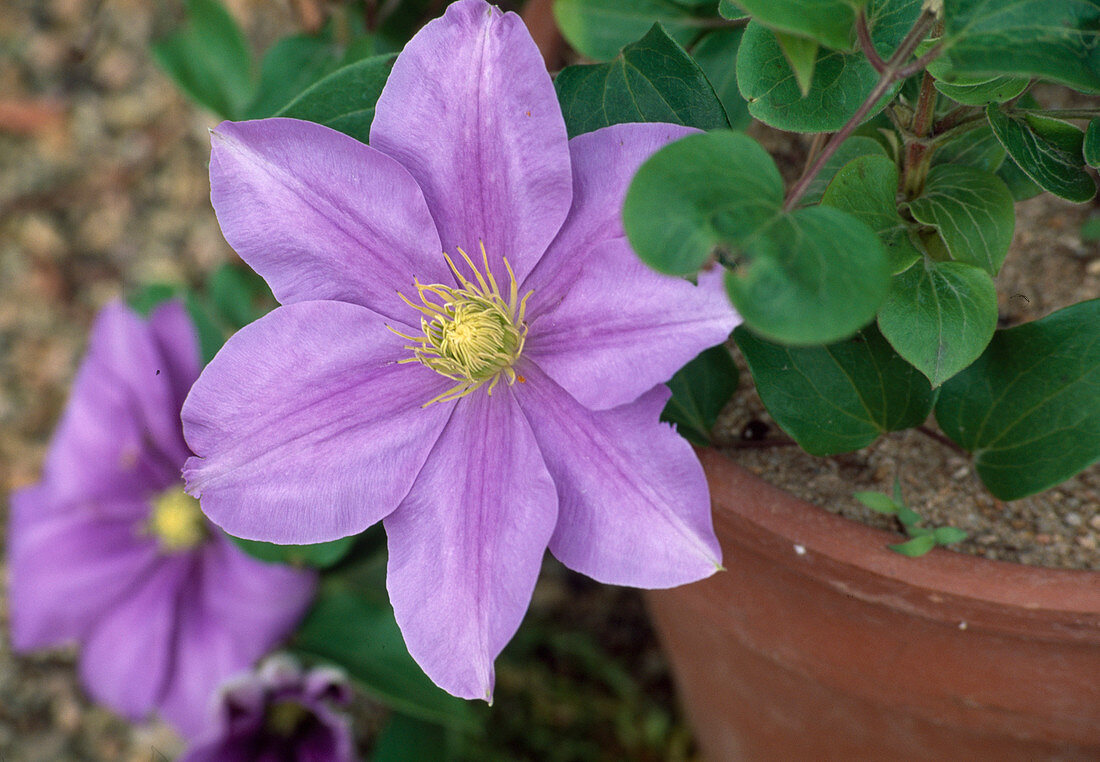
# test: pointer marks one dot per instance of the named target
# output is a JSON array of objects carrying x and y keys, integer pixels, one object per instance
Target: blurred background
[{"x": 104, "y": 189}]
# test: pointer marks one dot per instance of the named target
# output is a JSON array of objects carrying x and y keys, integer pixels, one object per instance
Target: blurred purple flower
[
  {"x": 486, "y": 405},
  {"x": 108, "y": 551},
  {"x": 280, "y": 712}
]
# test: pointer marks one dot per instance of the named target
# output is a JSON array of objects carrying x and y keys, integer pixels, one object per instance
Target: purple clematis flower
[
  {"x": 107, "y": 550},
  {"x": 486, "y": 403},
  {"x": 279, "y": 713}
]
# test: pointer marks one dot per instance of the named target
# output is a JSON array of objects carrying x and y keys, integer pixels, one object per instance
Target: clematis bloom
[
  {"x": 279, "y": 712},
  {"x": 108, "y": 551},
  {"x": 468, "y": 350}
]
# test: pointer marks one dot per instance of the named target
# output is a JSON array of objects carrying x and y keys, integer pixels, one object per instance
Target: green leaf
[
  {"x": 973, "y": 212},
  {"x": 149, "y": 297},
  {"x": 948, "y": 535},
  {"x": 909, "y": 519},
  {"x": 1019, "y": 184},
  {"x": 699, "y": 392},
  {"x": 209, "y": 59},
  {"x": 801, "y": 54},
  {"x": 211, "y": 334},
  {"x": 1048, "y": 151},
  {"x": 600, "y": 28},
  {"x": 877, "y": 502},
  {"x": 407, "y": 739},
  {"x": 1052, "y": 39},
  {"x": 867, "y": 188},
  {"x": 1029, "y": 407},
  {"x": 716, "y": 54},
  {"x": 978, "y": 148},
  {"x": 727, "y": 10},
  {"x": 852, "y": 148},
  {"x": 830, "y": 22},
  {"x": 811, "y": 276},
  {"x": 359, "y": 633},
  {"x": 1091, "y": 146},
  {"x": 320, "y": 555},
  {"x": 939, "y": 316},
  {"x": 842, "y": 81},
  {"x": 345, "y": 99},
  {"x": 239, "y": 295},
  {"x": 839, "y": 397},
  {"x": 1090, "y": 228},
  {"x": 918, "y": 546},
  {"x": 652, "y": 80},
  {"x": 996, "y": 90},
  {"x": 290, "y": 66}
]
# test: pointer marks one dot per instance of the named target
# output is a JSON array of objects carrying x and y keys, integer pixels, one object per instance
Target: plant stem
[
  {"x": 915, "y": 153},
  {"x": 867, "y": 46},
  {"x": 890, "y": 74},
  {"x": 941, "y": 439}
]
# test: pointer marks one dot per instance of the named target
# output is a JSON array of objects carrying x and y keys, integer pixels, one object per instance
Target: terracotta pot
[{"x": 818, "y": 643}]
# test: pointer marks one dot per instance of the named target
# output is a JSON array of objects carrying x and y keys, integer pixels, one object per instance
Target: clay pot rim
[{"x": 814, "y": 531}]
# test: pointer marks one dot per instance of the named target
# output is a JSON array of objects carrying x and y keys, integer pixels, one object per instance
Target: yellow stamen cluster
[
  {"x": 176, "y": 520},
  {"x": 471, "y": 334}
]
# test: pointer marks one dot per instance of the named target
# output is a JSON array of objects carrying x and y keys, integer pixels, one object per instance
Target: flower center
[
  {"x": 176, "y": 520},
  {"x": 471, "y": 334},
  {"x": 285, "y": 718}
]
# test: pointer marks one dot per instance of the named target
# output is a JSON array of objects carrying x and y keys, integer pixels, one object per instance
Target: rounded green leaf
[
  {"x": 940, "y": 316},
  {"x": 345, "y": 99},
  {"x": 978, "y": 148},
  {"x": 695, "y": 194},
  {"x": 1091, "y": 146},
  {"x": 652, "y": 80},
  {"x": 867, "y": 188},
  {"x": 852, "y": 148},
  {"x": 600, "y": 28},
  {"x": 830, "y": 22},
  {"x": 839, "y": 397},
  {"x": 973, "y": 212},
  {"x": 1047, "y": 150},
  {"x": 716, "y": 54},
  {"x": 699, "y": 392},
  {"x": 810, "y": 277},
  {"x": 996, "y": 90},
  {"x": 1029, "y": 407},
  {"x": 916, "y": 547}
]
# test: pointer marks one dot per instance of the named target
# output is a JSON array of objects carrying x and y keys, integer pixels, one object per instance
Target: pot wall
[{"x": 818, "y": 643}]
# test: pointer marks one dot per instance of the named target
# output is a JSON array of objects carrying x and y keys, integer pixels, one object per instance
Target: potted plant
[{"x": 867, "y": 288}]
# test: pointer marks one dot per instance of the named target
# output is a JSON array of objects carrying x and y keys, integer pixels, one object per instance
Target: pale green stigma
[
  {"x": 176, "y": 520},
  {"x": 284, "y": 718},
  {"x": 471, "y": 334}
]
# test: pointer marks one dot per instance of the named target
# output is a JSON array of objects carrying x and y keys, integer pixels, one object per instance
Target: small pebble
[{"x": 1073, "y": 519}]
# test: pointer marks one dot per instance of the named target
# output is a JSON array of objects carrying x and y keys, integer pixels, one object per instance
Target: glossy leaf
[
  {"x": 1029, "y": 407},
  {"x": 1091, "y": 146},
  {"x": 830, "y": 22},
  {"x": 852, "y": 148},
  {"x": 811, "y": 276},
  {"x": 359, "y": 633},
  {"x": 916, "y": 547},
  {"x": 600, "y": 28},
  {"x": 839, "y": 397},
  {"x": 699, "y": 392},
  {"x": 940, "y": 316},
  {"x": 345, "y": 99},
  {"x": 209, "y": 59},
  {"x": 842, "y": 81},
  {"x": 1052, "y": 39},
  {"x": 973, "y": 212},
  {"x": 290, "y": 66},
  {"x": 652, "y": 80},
  {"x": 1047, "y": 150},
  {"x": 716, "y": 55},
  {"x": 866, "y": 188}
]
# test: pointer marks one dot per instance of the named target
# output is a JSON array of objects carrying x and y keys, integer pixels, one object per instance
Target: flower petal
[
  {"x": 306, "y": 428},
  {"x": 604, "y": 162},
  {"x": 127, "y": 660},
  {"x": 119, "y": 436},
  {"x": 234, "y": 611},
  {"x": 622, "y": 328},
  {"x": 466, "y": 545},
  {"x": 66, "y": 570},
  {"x": 470, "y": 111},
  {"x": 178, "y": 343},
  {"x": 321, "y": 216},
  {"x": 633, "y": 503}
]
